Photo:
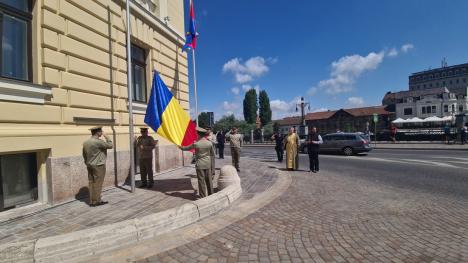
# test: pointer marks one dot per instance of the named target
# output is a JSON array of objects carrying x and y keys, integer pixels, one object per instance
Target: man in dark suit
[{"x": 313, "y": 146}]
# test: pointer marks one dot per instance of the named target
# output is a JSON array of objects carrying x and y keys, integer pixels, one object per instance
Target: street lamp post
[{"x": 302, "y": 105}]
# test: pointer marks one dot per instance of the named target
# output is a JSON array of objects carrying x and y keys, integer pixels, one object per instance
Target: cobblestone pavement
[
  {"x": 171, "y": 189},
  {"x": 330, "y": 217}
]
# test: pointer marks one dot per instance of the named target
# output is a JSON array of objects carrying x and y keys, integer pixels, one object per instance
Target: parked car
[{"x": 345, "y": 143}]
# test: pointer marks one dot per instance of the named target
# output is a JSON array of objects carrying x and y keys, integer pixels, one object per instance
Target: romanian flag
[{"x": 166, "y": 117}]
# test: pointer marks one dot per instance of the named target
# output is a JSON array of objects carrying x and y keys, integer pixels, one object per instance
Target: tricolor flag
[
  {"x": 166, "y": 117},
  {"x": 192, "y": 34}
]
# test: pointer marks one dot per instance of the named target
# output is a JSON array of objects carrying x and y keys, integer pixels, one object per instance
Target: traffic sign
[{"x": 376, "y": 117}]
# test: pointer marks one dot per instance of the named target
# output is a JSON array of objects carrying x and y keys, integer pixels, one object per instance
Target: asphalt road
[{"x": 441, "y": 171}]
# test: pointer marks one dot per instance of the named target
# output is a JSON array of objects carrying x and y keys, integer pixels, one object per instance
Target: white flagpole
[
  {"x": 130, "y": 100},
  {"x": 195, "y": 85}
]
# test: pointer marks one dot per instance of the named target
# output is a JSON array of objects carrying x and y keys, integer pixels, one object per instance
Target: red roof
[
  {"x": 368, "y": 111},
  {"x": 323, "y": 115}
]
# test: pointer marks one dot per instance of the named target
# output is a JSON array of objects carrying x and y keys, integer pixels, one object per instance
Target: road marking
[{"x": 405, "y": 161}]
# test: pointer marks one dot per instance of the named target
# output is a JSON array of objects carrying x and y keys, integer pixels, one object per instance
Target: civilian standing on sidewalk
[
  {"x": 278, "y": 138},
  {"x": 212, "y": 138},
  {"x": 221, "y": 139},
  {"x": 203, "y": 154},
  {"x": 313, "y": 147},
  {"x": 235, "y": 140},
  {"x": 95, "y": 156},
  {"x": 145, "y": 145}
]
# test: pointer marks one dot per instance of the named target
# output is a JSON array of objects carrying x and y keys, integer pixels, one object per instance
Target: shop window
[{"x": 408, "y": 111}]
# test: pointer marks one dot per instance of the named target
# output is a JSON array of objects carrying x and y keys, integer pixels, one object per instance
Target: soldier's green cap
[
  {"x": 201, "y": 130},
  {"x": 96, "y": 128}
]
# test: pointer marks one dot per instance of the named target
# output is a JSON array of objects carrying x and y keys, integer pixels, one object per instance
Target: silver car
[{"x": 345, "y": 143}]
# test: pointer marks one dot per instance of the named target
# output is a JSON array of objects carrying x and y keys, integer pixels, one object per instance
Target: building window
[
  {"x": 445, "y": 108},
  {"x": 423, "y": 110},
  {"x": 443, "y": 83},
  {"x": 139, "y": 74},
  {"x": 458, "y": 81},
  {"x": 453, "y": 107},
  {"x": 434, "y": 109},
  {"x": 460, "y": 108},
  {"x": 408, "y": 111},
  {"x": 18, "y": 179},
  {"x": 450, "y": 82},
  {"x": 464, "y": 80},
  {"x": 15, "y": 21}
]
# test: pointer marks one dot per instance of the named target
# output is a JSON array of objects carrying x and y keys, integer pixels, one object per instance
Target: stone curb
[{"x": 71, "y": 246}]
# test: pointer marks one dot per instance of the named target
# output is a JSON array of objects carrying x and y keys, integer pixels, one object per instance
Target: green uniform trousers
[
  {"x": 205, "y": 184},
  {"x": 96, "y": 178},
  {"x": 146, "y": 171},
  {"x": 235, "y": 154}
]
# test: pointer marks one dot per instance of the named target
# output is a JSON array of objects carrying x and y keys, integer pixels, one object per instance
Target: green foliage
[
  {"x": 264, "y": 108},
  {"x": 250, "y": 106},
  {"x": 268, "y": 130},
  {"x": 225, "y": 123},
  {"x": 203, "y": 120}
]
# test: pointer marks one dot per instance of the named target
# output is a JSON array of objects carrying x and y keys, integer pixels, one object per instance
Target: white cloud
[
  {"x": 235, "y": 90},
  {"x": 230, "y": 106},
  {"x": 247, "y": 87},
  {"x": 392, "y": 53},
  {"x": 254, "y": 67},
  {"x": 407, "y": 47},
  {"x": 346, "y": 71},
  {"x": 355, "y": 102},
  {"x": 312, "y": 91},
  {"x": 281, "y": 108}
]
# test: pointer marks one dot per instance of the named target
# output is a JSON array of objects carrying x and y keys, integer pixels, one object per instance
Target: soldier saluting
[
  {"x": 203, "y": 154},
  {"x": 95, "y": 156},
  {"x": 145, "y": 145}
]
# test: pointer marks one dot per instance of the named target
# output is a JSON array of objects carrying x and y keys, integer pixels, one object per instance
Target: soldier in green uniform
[
  {"x": 203, "y": 152},
  {"x": 95, "y": 155},
  {"x": 145, "y": 145},
  {"x": 235, "y": 140}
]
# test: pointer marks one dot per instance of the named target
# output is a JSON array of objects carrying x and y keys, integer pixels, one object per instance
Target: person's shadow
[
  {"x": 83, "y": 195},
  {"x": 180, "y": 187}
]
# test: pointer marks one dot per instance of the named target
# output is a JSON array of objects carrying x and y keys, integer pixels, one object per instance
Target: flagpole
[
  {"x": 195, "y": 85},
  {"x": 130, "y": 100}
]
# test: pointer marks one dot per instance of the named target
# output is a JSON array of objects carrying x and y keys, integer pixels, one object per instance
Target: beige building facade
[{"x": 63, "y": 69}]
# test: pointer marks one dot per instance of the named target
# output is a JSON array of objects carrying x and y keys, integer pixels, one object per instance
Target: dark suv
[{"x": 346, "y": 143}]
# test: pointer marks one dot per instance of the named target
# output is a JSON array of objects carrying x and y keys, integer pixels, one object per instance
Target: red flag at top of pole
[{"x": 192, "y": 34}]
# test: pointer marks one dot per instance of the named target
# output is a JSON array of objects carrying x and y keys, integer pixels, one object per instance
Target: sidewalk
[
  {"x": 420, "y": 145},
  {"x": 171, "y": 189}
]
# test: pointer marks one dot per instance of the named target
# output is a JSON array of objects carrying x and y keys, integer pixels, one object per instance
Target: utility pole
[{"x": 302, "y": 105}]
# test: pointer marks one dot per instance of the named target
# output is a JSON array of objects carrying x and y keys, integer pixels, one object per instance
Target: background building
[
  {"x": 64, "y": 70},
  {"x": 440, "y": 92},
  {"x": 346, "y": 120},
  {"x": 454, "y": 78}
]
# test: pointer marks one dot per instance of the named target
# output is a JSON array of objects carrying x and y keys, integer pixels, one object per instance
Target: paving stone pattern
[
  {"x": 327, "y": 217},
  {"x": 170, "y": 190}
]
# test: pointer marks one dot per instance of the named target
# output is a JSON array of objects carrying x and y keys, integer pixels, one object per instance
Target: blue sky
[{"x": 335, "y": 53}]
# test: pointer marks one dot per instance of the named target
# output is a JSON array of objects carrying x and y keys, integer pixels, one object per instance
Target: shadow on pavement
[{"x": 181, "y": 187}]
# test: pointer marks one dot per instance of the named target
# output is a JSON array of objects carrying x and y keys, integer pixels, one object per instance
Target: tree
[
  {"x": 250, "y": 106},
  {"x": 264, "y": 108},
  {"x": 203, "y": 120},
  {"x": 226, "y": 123}
]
